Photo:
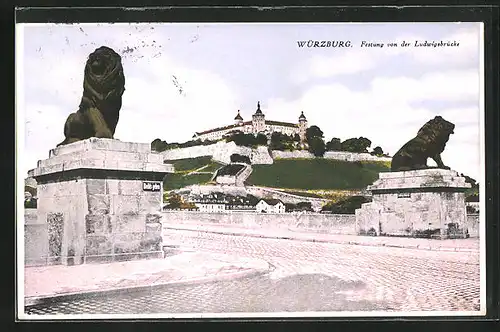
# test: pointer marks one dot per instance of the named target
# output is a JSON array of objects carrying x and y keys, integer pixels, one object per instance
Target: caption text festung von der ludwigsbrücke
[{"x": 347, "y": 43}]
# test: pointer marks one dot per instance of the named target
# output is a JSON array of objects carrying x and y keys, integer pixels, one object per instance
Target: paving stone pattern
[{"x": 307, "y": 276}]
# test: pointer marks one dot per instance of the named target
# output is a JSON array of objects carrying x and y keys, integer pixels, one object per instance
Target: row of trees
[
  {"x": 300, "y": 206},
  {"x": 249, "y": 140},
  {"x": 315, "y": 142},
  {"x": 282, "y": 142},
  {"x": 159, "y": 145},
  {"x": 318, "y": 147}
]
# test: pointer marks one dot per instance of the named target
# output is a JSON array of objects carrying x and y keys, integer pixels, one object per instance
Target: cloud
[
  {"x": 452, "y": 85},
  {"x": 320, "y": 66},
  {"x": 174, "y": 103},
  {"x": 386, "y": 112}
]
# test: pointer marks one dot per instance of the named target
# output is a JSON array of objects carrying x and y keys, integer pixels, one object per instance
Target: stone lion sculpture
[
  {"x": 430, "y": 142},
  {"x": 103, "y": 87}
]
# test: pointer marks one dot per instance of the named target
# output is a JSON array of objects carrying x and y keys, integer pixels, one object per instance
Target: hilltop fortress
[{"x": 257, "y": 125}]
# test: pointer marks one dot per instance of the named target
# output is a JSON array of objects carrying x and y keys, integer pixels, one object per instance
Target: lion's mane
[{"x": 103, "y": 87}]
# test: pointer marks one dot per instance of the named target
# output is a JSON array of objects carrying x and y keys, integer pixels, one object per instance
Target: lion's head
[
  {"x": 437, "y": 130},
  {"x": 104, "y": 80}
]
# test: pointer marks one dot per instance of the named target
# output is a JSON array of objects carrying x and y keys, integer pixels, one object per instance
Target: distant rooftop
[
  {"x": 238, "y": 117},
  {"x": 280, "y": 123},
  {"x": 223, "y": 128},
  {"x": 271, "y": 201}
]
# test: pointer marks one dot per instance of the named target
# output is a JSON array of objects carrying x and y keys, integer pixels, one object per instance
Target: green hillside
[
  {"x": 183, "y": 167},
  {"x": 179, "y": 180},
  {"x": 190, "y": 164},
  {"x": 289, "y": 174},
  {"x": 317, "y": 174}
]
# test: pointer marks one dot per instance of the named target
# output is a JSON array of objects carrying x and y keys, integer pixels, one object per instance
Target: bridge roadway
[{"x": 306, "y": 276}]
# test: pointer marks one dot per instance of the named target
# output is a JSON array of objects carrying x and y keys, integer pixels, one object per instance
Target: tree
[
  {"x": 359, "y": 145},
  {"x": 314, "y": 137},
  {"x": 174, "y": 202},
  {"x": 304, "y": 206},
  {"x": 277, "y": 141},
  {"x": 317, "y": 146},
  {"x": 313, "y": 131},
  {"x": 377, "y": 151},
  {"x": 290, "y": 207},
  {"x": 158, "y": 145},
  {"x": 248, "y": 140},
  {"x": 188, "y": 206},
  {"x": 261, "y": 139},
  {"x": 296, "y": 138},
  {"x": 237, "y": 137},
  {"x": 252, "y": 200},
  {"x": 334, "y": 145}
]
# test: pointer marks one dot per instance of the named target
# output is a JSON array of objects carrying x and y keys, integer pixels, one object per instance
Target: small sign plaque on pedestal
[{"x": 151, "y": 186}]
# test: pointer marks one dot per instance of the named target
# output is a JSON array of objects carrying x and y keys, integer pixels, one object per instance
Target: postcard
[{"x": 250, "y": 170}]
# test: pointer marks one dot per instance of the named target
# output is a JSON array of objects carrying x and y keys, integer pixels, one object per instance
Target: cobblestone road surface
[{"x": 307, "y": 276}]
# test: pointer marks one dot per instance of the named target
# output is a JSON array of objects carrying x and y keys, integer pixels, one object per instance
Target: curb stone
[
  {"x": 38, "y": 300},
  {"x": 410, "y": 246}
]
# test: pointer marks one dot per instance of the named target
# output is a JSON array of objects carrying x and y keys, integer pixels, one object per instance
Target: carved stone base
[
  {"x": 423, "y": 203},
  {"x": 101, "y": 200}
]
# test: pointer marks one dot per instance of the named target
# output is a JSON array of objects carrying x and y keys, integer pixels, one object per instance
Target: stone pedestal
[
  {"x": 101, "y": 201},
  {"x": 420, "y": 203}
]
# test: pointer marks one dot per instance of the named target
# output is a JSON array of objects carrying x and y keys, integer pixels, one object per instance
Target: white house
[{"x": 270, "y": 206}]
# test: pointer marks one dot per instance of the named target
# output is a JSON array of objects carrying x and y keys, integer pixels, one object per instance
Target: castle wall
[
  {"x": 222, "y": 151},
  {"x": 335, "y": 155}
]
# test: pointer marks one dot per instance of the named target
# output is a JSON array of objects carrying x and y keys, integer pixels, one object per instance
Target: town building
[
  {"x": 211, "y": 207},
  {"x": 240, "y": 208},
  {"x": 270, "y": 206},
  {"x": 257, "y": 125},
  {"x": 209, "y": 203}
]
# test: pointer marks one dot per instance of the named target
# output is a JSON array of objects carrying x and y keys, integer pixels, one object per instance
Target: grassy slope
[
  {"x": 316, "y": 174},
  {"x": 286, "y": 173},
  {"x": 212, "y": 167},
  {"x": 189, "y": 164},
  {"x": 180, "y": 178}
]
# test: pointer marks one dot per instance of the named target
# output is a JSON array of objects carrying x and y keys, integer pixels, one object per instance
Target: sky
[{"x": 184, "y": 78}]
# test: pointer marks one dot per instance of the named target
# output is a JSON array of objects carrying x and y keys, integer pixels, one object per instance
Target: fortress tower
[
  {"x": 238, "y": 119},
  {"x": 302, "y": 127},
  {"x": 258, "y": 121}
]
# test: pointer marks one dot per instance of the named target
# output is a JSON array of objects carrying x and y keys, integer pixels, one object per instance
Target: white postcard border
[{"x": 20, "y": 138}]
